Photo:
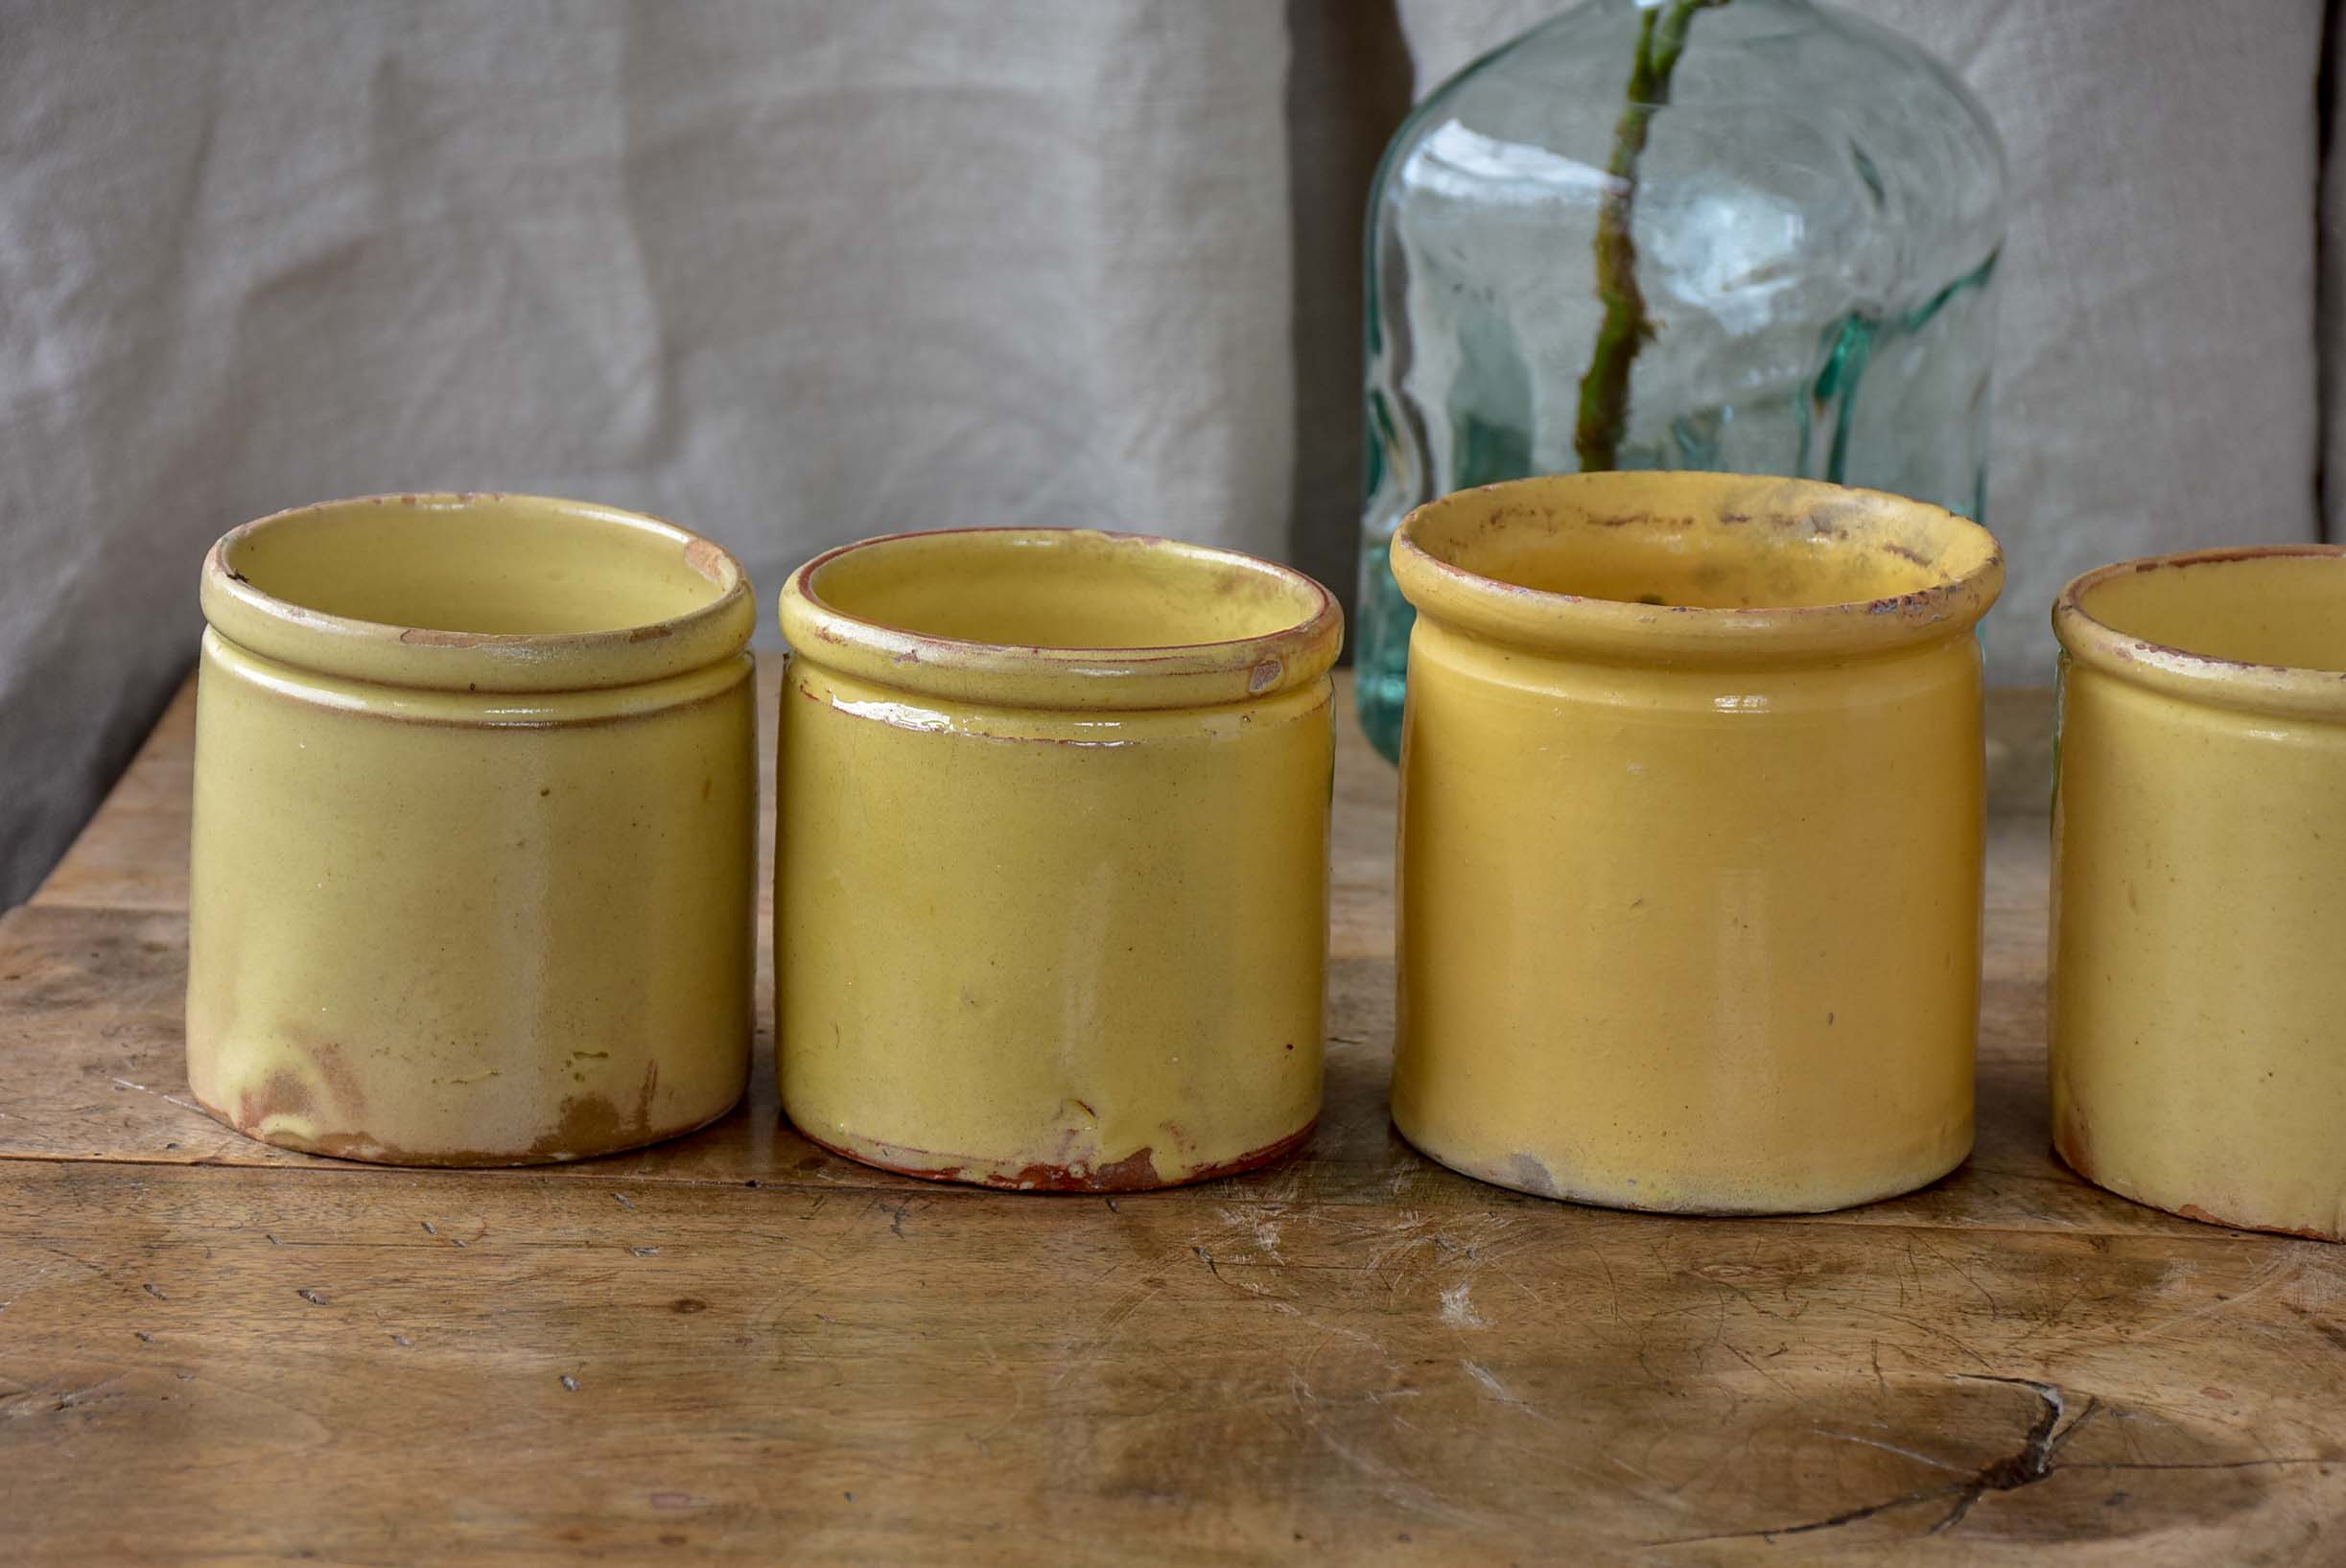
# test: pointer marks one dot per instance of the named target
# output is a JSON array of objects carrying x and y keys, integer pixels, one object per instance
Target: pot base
[
  {"x": 1135, "y": 1172},
  {"x": 2188, "y": 1212},
  {"x": 359, "y": 1149},
  {"x": 1526, "y": 1174}
]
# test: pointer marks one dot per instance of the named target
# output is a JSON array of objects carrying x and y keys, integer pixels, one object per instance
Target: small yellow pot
[
  {"x": 474, "y": 830},
  {"x": 2198, "y": 1005},
  {"x": 1051, "y": 905},
  {"x": 1691, "y": 839}
]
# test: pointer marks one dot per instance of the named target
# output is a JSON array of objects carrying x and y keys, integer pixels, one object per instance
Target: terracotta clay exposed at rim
[
  {"x": 2280, "y": 688},
  {"x": 308, "y": 636},
  {"x": 1136, "y": 1172},
  {"x": 1130, "y": 677},
  {"x": 1967, "y": 574}
]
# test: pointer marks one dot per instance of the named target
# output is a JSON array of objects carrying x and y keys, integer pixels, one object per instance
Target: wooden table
[{"x": 738, "y": 1345}]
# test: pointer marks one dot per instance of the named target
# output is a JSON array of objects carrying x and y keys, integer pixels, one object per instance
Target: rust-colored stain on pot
[
  {"x": 1136, "y": 1172},
  {"x": 2192, "y": 1211},
  {"x": 591, "y": 1125}
]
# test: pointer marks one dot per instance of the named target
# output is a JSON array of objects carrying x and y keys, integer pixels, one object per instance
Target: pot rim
[
  {"x": 1630, "y": 632},
  {"x": 1199, "y": 674},
  {"x": 380, "y": 653},
  {"x": 2296, "y": 690}
]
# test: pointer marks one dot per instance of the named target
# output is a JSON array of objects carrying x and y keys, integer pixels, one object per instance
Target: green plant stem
[{"x": 1605, "y": 390}]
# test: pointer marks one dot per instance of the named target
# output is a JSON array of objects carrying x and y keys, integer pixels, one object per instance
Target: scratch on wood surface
[
  {"x": 2279, "y": 1270},
  {"x": 1393, "y": 1486},
  {"x": 1914, "y": 1454},
  {"x": 1097, "y": 1341},
  {"x": 1239, "y": 1285},
  {"x": 1612, "y": 1286},
  {"x": 1263, "y": 1230},
  {"x": 1458, "y": 1307},
  {"x": 1501, "y": 1392},
  {"x": 1932, "y": 1329},
  {"x": 1967, "y": 1277},
  {"x": 172, "y": 1099},
  {"x": 1730, "y": 1347}
]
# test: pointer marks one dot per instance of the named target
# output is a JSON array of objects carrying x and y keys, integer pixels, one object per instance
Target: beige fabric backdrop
[{"x": 797, "y": 271}]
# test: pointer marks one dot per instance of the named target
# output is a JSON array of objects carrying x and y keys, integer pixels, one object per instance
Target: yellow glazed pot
[
  {"x": 1052, "y": 905},
  {"x": 1691, "y": 839},
  {"x": 2198, "y": 1006},
  {"x": 474, "y": 830}
]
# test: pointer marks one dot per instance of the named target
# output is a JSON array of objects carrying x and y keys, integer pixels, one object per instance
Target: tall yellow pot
[
  {"x": 476, "y": 799},
  {"x": 1691, "y": 839},
  {"x": 2198, "y": 1004},
  {"x": 1051, "y": 900}
]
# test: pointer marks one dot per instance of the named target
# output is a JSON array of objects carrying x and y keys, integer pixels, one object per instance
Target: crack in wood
[{"x": 2032, "y": 1463}]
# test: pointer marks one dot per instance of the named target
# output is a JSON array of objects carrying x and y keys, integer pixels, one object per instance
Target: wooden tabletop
[{"x": 738, "y": 1345}]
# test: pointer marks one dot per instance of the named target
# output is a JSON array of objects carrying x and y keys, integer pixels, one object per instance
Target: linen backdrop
[{"x": 797, "y": 271}]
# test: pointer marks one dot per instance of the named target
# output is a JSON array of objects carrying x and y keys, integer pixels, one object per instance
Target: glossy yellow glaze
[
  {"x": 1691, "y": 839},
  {"x": 474, "y": 830},
  {"x": 2198, "y": 1006},
  {"x": 1051, "y": 900}
]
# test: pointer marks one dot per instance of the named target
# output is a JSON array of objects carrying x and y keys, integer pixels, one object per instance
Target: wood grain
[{"x": 739, "y": 1346}]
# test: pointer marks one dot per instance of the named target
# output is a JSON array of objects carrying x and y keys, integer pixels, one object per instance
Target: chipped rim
[
  {"x": 1541, "y": 620},
  {"x": 1173, "y": 675},
  {"x": 2290, "y": 690},
  {"x": 379, "y": 653}
]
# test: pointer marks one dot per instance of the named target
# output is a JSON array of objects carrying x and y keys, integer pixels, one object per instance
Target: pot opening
[
  {"x": 2283, "y": 607},
  {"x": 1828, "y": 553},
  {"x": 492, "y": 566},
  {"x": 1063, "y": 590}
]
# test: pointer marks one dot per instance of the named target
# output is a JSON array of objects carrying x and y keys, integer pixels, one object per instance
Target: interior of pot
[
  {"x": 1063, "y": 588},
  {"x": 485, "y": 565},
  {"x": 2283, "y": 607},
  {"x": 1659, "y": 539}
]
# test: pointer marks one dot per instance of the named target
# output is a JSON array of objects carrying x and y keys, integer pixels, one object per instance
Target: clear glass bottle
[{"x": 1747, "y": 235}]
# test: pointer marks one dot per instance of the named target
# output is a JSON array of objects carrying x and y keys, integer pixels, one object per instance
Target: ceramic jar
[
  {"x": 1052, "y": 899},
  {"x": 474, "y": 830},
  {"x": 2198, "y": 1056},
  {"x": 1692, "y": 825}
]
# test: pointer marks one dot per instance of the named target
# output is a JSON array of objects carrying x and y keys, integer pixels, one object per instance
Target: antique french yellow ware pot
[
  {"x": 2198, "y": 1003},
  {"x": 1051, "y": 901},
  {"x": 474, "y": 836},
  {"x": 1692, "y": 816}
]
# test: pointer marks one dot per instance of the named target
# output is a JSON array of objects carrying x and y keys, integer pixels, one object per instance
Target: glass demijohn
[{"x": 1794, "y": 215}]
